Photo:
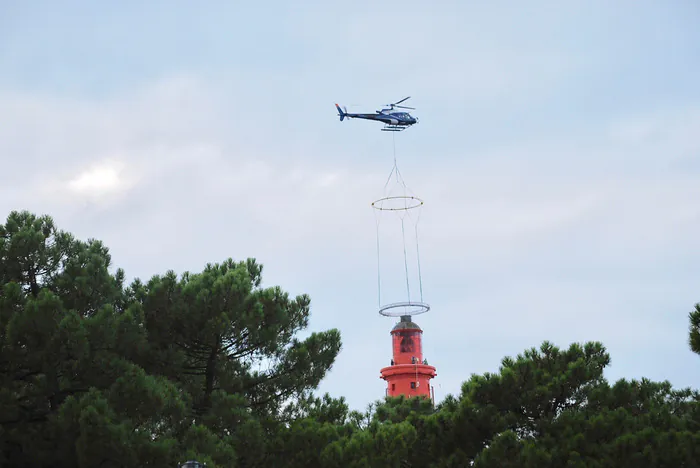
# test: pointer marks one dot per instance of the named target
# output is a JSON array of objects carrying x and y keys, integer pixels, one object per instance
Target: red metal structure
[{"x": 409, "y": 373}]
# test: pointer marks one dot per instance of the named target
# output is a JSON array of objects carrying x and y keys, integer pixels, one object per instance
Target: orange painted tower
[{"x": 409, "y": 373}]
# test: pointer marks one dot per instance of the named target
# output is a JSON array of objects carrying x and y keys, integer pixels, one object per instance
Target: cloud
[{"x": 164, "y": 149}]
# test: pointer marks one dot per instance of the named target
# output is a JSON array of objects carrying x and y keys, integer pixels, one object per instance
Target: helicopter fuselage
[{"x": 394, "y": 120}]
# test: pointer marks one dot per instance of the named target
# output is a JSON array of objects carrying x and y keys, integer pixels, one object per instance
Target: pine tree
[{"x": 694, "y": 332}]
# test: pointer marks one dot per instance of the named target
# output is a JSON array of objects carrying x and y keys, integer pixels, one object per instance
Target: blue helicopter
[{"x": 394, "y": 121}]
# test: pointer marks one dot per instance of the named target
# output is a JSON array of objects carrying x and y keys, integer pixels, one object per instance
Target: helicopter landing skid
[{"x": 393, "y": 128}]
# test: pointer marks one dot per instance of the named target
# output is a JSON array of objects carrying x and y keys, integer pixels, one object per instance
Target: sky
[{"x": 557, "y": 153}]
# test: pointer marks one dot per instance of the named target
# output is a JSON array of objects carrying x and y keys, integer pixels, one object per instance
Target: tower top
[{"x": 406, "y": 322}]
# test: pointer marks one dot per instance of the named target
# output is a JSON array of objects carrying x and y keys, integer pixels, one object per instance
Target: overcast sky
[{"x": 558, "y": 154}]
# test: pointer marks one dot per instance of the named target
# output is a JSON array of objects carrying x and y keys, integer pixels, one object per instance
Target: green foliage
[
  {"x": 694, "y": 332},
  {"x": 96, "y": 374},
  {"x": 209, "y": 366},
  {"x": 211, "y": 331},
  {"x": 545, "y": 408}
]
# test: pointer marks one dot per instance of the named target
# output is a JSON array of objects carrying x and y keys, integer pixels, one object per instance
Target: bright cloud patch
[{"x": 101, "y": 179}]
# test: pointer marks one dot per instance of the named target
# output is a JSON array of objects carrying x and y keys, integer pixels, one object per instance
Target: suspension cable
[
  {"x": 379, "y": 266},
  {"x": 420, "y": 279},
  {"x": 405, "y": 260}
]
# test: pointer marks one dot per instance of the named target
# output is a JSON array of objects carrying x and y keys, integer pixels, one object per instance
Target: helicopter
[{"x": 394, "y": 121}]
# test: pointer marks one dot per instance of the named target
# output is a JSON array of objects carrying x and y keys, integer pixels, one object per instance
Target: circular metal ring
[
  {"x": 414, "y": 202},
  {"x": 409, "y": 308}
]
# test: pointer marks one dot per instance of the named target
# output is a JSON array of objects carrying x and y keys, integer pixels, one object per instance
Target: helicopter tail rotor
[{"x": 340, "y": 112}]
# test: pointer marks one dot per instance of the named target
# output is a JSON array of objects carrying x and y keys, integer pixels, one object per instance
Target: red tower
[{"x": 409, "y": 373}]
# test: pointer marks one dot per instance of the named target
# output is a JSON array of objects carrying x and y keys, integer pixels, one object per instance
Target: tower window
[
  {"x": 407, "y": 345},
  {"x": 393, "y": 387},
  {"x": 413, "y": 385}
]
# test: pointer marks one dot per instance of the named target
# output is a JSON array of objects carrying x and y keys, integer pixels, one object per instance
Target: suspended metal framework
[
  {"x": 407, "y": 207},
  {"x": 408, "y": 373}
]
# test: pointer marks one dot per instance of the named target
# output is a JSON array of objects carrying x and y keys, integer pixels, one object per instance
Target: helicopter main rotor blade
[
  {"x": 402, "y": 100},
  {"x": 404, "y": 107}
]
